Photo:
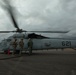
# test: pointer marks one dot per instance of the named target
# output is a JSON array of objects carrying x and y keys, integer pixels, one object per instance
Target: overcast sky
[{"x": 42, "y": 15}]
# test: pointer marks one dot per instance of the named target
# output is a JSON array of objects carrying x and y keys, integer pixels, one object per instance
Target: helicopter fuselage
[{"x": 40, "y": 44}]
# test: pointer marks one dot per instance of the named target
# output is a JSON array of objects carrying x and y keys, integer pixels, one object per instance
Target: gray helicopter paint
[
  {"x": 53, "y": 43},
  {"x": 40, "y": 44}
]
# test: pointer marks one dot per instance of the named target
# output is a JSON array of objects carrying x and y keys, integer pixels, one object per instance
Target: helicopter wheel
[
  {"x": 17, "y": 51},
  {"x": 6, "y": 51}
]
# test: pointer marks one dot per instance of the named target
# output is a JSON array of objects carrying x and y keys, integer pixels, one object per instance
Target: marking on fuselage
[{"x": 66, "y": 43}]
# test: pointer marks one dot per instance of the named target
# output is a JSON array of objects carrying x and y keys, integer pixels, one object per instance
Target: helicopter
[{"x": 40, "y": 42}]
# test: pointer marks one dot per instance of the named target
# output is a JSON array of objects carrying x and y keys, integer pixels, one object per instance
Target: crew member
[
  {"x": 30, "y": 45},
  {"x": 14, "y": 44},
  {"x": 21, "y": 45}
]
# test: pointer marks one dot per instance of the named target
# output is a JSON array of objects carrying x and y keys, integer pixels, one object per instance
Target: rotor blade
[
  {"x": 13, "y": 19},
  {"x": 46, "y": 31},
  {"x": 12, "y": 15},
  {"x": 5, "y": 31},
  {"x": 49, "y": 31},
  {"x": 36, "y": 31},
  {"x": 11, "y": 31}
]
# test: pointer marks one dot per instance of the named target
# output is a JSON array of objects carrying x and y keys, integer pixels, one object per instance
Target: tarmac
[{"x": 41, "y": 62}]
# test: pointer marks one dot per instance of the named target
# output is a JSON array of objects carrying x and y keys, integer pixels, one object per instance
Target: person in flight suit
[
  {"x": 14, "y": 44},
  {"x": 30, "y": 45},
  {"x": 21, "y": 45}
]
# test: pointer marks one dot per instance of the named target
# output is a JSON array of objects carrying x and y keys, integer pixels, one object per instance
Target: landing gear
[
  {"x": 17, "y": 51},
  {"x": 6, "y": 51}
]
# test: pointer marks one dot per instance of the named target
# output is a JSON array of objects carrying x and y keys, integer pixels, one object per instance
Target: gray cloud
[{"x": 43, "y": 15}]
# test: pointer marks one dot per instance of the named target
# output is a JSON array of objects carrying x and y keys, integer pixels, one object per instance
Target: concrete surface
[{"x": 39, "y": 63}]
